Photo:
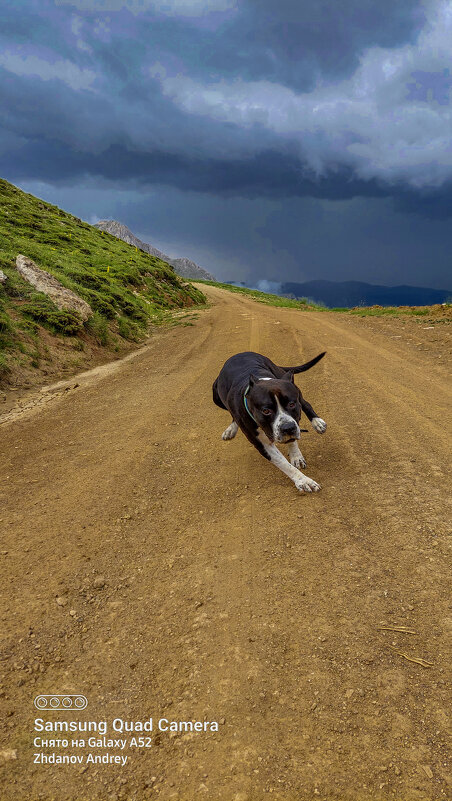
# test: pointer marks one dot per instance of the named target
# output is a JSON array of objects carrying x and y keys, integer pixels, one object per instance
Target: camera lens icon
[
  {"x": 56, "y": 702},
  {"x": 80, "y": 702},
  {"x": 41, "y": 702}
]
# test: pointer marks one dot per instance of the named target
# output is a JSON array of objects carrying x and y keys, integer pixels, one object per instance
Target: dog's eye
[
  {"x": 266, "y": 411},
  {"x": 291, "y": 405}
]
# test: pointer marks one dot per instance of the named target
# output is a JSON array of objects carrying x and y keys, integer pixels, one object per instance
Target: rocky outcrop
[
  {"x": 183, "y": 266},
  {"x": 3, "y": 277},
  {"x": 44, "y": 282}
]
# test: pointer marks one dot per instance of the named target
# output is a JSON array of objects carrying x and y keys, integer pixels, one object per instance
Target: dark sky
[{"x": 265, "y": 139}]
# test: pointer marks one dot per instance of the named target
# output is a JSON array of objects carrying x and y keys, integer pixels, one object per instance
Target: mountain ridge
[{"x": 184, "y": 267}]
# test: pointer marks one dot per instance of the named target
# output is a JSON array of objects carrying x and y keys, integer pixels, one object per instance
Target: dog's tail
[{"x": 307, "y": 366}]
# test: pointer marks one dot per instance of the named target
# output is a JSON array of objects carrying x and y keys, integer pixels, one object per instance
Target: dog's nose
[{"x": 288, "y": 427}]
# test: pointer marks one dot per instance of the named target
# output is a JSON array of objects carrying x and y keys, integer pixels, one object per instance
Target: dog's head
[{"x": 275, "y": 405}]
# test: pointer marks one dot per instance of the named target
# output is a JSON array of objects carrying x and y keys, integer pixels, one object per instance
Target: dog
[{"x": 266, "y": 405}]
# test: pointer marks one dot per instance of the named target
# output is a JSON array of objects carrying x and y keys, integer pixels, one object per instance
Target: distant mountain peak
[{"x": 182, "y": 266}]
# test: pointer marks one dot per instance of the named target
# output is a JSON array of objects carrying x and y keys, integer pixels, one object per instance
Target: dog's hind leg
[
  {"x": 230, "y": 431},
  {"x": 216, "y": 395},
  {"x": 296, "y": 457}
]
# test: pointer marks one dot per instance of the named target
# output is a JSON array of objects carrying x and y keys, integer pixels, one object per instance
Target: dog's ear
[
  {"x": 288, "y": 376},
  {"x": 252, "y": 380}
]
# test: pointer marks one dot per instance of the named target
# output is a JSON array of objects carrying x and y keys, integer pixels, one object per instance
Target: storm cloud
[{"x": 328, "y": 125}]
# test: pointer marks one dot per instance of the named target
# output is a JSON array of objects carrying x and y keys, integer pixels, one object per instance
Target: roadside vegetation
[
  {"x": 127, "y": 289},
  {"x": 306, "y": 304}
]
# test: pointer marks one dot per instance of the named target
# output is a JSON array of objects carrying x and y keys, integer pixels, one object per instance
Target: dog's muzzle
[{"x": 288, "y": 431}]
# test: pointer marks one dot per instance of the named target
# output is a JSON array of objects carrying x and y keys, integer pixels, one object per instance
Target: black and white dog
[{"x": 266, "y": 405}]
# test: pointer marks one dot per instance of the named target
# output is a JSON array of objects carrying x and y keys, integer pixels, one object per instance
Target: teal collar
[{"x": 246, "y": 404}]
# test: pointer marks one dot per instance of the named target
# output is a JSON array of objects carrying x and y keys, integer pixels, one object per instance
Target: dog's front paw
[
  {"x": 298, "y": 461},
  {"x": 305, "y": 484},
  {"x": 230, "y": 431},
  {"x": 318, "y": 425}
]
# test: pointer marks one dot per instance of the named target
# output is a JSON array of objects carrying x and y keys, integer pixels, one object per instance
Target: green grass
[
  {"x": 371, "y": 311},
  {"x": 127, "y": 288}
]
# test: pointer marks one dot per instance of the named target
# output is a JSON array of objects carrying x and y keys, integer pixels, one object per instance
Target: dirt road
[{"x": 195, "y": 583}]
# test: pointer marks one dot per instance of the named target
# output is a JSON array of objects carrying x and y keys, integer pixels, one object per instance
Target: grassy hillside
[{"x": 126, "y": 288}]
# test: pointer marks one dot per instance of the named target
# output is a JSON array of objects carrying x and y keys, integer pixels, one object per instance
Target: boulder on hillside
[
  {"x": 3, "y": 277},
  {"x": 44, "y": 282}
]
